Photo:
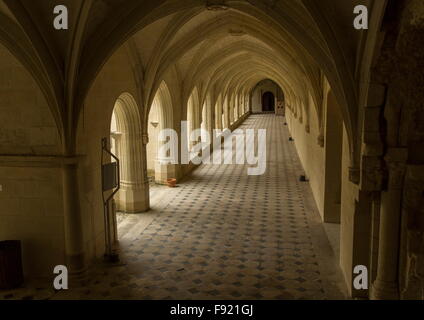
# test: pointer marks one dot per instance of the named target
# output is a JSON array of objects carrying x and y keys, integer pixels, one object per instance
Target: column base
[
  {"x": 164, "y": 172},
  {"x": 414, "y": 290},
  {"x": 383, "y": 290},
  {"x": 133, "y": 200},
  {"x": 76, "y": 264},
  {"x": 77, "y": 270}
]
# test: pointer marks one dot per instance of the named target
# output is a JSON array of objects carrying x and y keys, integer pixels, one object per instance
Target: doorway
[{"x": 268, "y": 102}]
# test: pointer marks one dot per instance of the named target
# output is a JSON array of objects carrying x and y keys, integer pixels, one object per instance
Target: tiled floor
[{"x": 222, "y": 235}]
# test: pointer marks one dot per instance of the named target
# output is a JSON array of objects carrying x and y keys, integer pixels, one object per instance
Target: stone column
[
  {"x": 164, "y": 171},
  {"x": 144, "y": 176},
  {"x": 375, "y": 231},
  {"x": 227, "y": 116},
  {"x": 386, "y": 285},
  {"x": 333, "y": 152},
  {"x": 412, "y": 257},
  {"x": 134, "y": 194},
  {"x": 74, "y": 238},
  {"x": 230, "y": 112}
]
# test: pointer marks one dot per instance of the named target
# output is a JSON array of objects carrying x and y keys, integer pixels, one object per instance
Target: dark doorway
[{"x": 268, "y": 102}]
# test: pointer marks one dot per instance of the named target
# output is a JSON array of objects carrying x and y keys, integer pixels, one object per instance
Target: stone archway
[
  {"x": 161, "y": 117},
  {"x": 126, "y": 142}
]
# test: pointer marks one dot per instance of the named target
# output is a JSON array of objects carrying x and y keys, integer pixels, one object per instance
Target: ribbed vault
[{"x": 217, "y": 45}]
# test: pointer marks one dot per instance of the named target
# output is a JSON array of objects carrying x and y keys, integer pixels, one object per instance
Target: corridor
[
  {"x": 224, "y": 235},
  {"x": 129, "y": 79}
]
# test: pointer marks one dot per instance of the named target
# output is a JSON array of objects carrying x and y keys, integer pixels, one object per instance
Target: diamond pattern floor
[{"x": 222, "y": 235}]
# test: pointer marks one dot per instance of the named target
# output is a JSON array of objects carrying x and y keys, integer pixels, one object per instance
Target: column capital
[{"x": 372, "y": 173}]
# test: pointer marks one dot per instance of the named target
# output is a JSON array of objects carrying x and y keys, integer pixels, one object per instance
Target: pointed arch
[{"x": 128, "y": 143}]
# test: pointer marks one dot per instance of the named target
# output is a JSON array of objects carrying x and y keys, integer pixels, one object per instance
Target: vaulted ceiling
[{"x": 213, "y": 44}]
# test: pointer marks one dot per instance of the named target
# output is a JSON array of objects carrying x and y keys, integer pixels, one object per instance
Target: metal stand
[{"x": 110, "y": 185}]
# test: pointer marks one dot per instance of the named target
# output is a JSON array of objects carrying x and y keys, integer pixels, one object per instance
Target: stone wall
[
  {"x": 320, "y": 172},
  {"x": 115, "y": 79},
  {"x": 310, "y": 153},
  {"x": 30, "y": 175}
]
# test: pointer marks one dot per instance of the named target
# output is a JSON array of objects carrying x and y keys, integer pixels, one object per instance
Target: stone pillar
[
  {"x": 164, "y": 172},
  {"x": 375, "y": 231},
  {"x": 230, "y": 112},
  {"x": 226, "y": 116},
  {"x": 412, "y": 255},
  {"x": 218, "y": 118},
  {"x": 133, "y": 197},
  {"x": 235, "y": 109},
  {"x": 386, "y": 286},
  {"x": 333, "y": 162},
  {"x": 74, "y": 238},
  {"x": 361, "y": 231},
  {"x": 144, "y": 175}
]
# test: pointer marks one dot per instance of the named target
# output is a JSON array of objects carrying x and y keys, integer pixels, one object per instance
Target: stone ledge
[{"x": 31, "y": 161}]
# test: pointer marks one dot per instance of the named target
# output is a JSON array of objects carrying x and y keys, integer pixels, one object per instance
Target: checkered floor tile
[{"x": 221, "y": 235}]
